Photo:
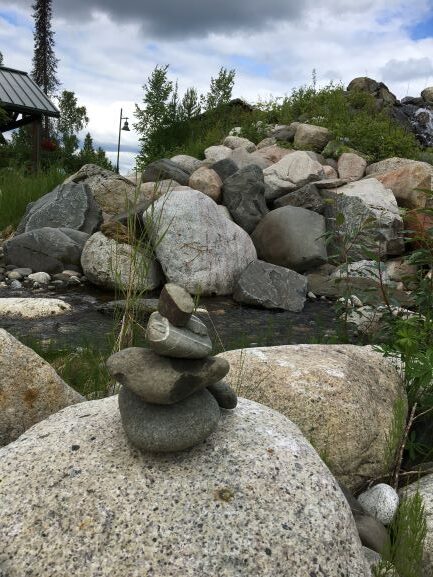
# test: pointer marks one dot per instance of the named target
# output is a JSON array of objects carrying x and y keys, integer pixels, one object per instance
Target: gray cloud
[
  {"x": 182, "y": 18},
  {"x": 405, "y": 70}
]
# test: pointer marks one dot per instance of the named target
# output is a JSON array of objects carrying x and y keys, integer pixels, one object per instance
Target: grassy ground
[{"x": 18, "y": 189}]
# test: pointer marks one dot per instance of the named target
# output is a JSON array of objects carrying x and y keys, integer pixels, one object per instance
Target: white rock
[
  {"x": 111, "y": 264},
  {"x": 215, "y": 153},
  {"x": 351, "y": 166},
  {"x": 381, "y": 502},
  {"x": 239, "y": 142},
  {"x": 40, "y": 277},
  {"x": 199, "y": 248},
  {"x": 297, "y": 167},
  {"x": 31, "y": 308}
]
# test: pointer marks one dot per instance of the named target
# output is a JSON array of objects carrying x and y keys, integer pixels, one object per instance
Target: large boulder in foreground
[
  {"x": 30, "y": 390},
  {"x": 69, "y": 205},
  {"x": 112, "y": 192},
  {"x": 46, "y": 249},
  {"x": 111, "y": 264},
  {"x": 342, "y": 398},
  {"x": 198, "y": 247},
  {"x": 292, "y": 237},
  {"x": 253, "y": 499},
  {"x": 371, "y": 218}
]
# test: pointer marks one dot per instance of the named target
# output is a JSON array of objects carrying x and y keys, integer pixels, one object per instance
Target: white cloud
[{"x": 105, "y": 61}]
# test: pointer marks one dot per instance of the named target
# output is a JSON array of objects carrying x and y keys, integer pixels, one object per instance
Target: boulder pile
[{"x": 171, "y": 395}]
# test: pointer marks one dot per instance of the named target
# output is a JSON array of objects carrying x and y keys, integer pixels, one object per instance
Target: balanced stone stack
[{"x": 172, "y": 393}]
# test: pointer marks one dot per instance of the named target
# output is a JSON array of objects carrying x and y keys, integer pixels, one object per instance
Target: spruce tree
[
  {"x": 1, "y": 59},
  {"x": 44, "y": 60}
]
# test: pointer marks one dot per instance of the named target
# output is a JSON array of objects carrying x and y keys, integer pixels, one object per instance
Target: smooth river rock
[
  {"x": 168, "y": 428},
  {"x": 253, "y": 500},
  {"x": 179, "y": 342},
  {"x": 176, "y": 304},
  {"x": 162, "y": 380},
  {"x": 32, "y": 308}
]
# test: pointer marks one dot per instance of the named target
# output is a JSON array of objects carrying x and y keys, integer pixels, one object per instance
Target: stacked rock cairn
[{"x": 171, "y": 393}]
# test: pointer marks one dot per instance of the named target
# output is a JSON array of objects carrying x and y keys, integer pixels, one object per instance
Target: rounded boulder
[{"x": 253, "y": 499}]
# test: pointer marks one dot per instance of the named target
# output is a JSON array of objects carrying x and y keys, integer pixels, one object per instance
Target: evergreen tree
[
  {"x": 221, "y": 88},
  {"x": 88, "y": 155},
  {"x": 190, "y": 105},
  {"x": 1, "y": 59},
  {"x": 44, "y": 61},
  {"x": 73, "y": 118}
]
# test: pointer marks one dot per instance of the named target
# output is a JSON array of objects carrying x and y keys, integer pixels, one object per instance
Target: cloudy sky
[{"x": 107, "y": 49}]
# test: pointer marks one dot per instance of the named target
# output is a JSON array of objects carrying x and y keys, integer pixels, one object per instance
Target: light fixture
[{"x": 126, "y": 128}]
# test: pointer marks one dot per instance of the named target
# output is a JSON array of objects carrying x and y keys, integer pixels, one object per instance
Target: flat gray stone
[
  {"x": 255, "y": 490},
  {"x": 224, "y": 395},
  {"x": 308, "y": 197},
  {"x": 162, "y": 380},
  {"x": 179, "y": 342},
  {"x": 46, "y": 249},
  {"x": 168, "y": 428},
  {"x": 165, "y": 169},
  {"x": 176, "y": 304},
  {"x": 272, "y": 287}
]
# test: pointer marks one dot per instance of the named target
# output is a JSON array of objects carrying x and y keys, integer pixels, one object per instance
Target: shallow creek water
[{"x": 230, "y": 325}]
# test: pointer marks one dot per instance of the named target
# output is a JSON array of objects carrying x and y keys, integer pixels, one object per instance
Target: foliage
[
  {"x": 220, "y": 90},
  {"x": 88, "y": 155},
  {"x": 352, "y": 117},
  {"x": 73, "y": 118},
  {"x": 18, "y": 189},
  {"x": 82, "y": 368},
  {"x": 44, "y": 60},
  {"x": 167, "y": 123},
  {"x": 1, "y": 59},
  {"x": 156, "y": 115},
  {"x": 408, "y": 531}
]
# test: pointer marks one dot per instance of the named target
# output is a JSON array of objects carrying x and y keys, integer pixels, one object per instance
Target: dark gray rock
[
  {"x": 272, "y": 287},
  {"x": 286, "y": 134},
  {"x": 46, "y": 249},
  {"x": 224, "y": 395},
  {"x": 244, "y": 196},
  {"x": 291, "y": 237},
  {"x": 307, "y": 196},
  {"x": 168, "y": 428},
  {"x": 69, "y": 205},
  {"x": 162, "y": 380},
  {"x": 165, "y": 169},
  {"x": 178, "y": 342},
  {"x": 225, "y": 168},
  {"x": 176, "y": 304}
]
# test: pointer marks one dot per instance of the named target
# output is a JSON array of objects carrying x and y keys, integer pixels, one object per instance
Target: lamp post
[{"x": 124, "y": 127}]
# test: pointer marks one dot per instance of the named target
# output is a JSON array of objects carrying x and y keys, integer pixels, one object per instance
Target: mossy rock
[{"x": 335, "y": 148}]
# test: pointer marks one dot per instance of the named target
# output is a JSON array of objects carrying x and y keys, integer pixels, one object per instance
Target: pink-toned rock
[
  {"x": 273, "y": 153},
  {"x": 407, "y": 183},
  {"x": 329, "y": 172},
  {"x": 206, "y": 181},
  {"x": 351, "y": 166}
]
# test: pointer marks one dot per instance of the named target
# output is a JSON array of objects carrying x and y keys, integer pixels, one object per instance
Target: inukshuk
[{"x": 172, "y": 393}]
